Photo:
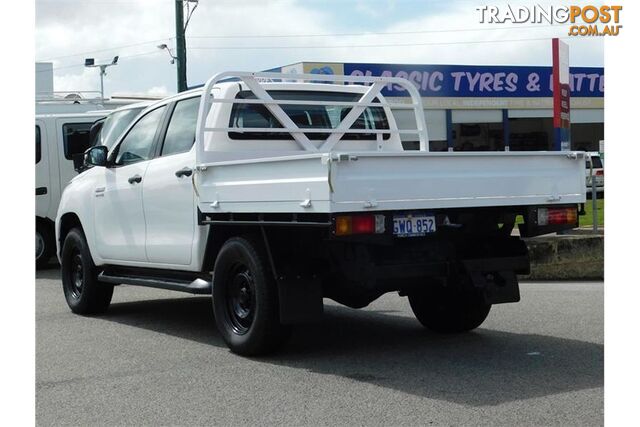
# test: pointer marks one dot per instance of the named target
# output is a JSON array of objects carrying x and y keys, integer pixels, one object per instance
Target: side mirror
[{"x": 96, "y": 156}]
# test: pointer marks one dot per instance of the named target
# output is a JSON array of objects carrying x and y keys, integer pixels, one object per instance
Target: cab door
[
  {"x": 169, "y": 200},
  {"x": 43, "y": 184},
  {"x": 119, "y": 212}
]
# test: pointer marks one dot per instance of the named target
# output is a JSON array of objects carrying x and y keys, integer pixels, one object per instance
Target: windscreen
[
  {"x": 305, "y": 116},
  {"x": 116, "y": 123}
]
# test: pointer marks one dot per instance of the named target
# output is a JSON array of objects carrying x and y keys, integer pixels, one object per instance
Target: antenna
[{"x": 91, "y": 63}]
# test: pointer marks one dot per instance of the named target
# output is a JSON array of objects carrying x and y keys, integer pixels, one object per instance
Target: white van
[{"x": 60, "y": 137}]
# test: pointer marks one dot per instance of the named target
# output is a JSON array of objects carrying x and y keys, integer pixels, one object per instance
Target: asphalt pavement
[{"x": 157, "y": 358}]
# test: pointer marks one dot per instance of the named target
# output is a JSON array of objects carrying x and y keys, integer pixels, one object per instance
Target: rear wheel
[
  {"x": 245, "y": 299},
  {"x": 45, "y": 244},
  {"x": 83, "y": 292},
  {"x": 446, "y": 310}
]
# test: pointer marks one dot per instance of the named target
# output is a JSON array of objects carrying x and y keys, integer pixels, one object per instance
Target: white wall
[
  {"x": 476, "y": 116},
  {"x": 44, "y": 79},
  {"x": 535, "y": 113},
  {"x": 587, "y": 115},
  {"x": 578, "y": 115}
]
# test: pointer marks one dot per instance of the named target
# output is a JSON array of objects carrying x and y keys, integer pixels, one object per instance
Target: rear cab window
[
  {"x": 305, "y": 116},
  {"x": 181, "y": 132}
]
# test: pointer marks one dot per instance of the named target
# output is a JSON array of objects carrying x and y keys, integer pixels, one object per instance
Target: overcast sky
[{"x": 218, "y": 39}]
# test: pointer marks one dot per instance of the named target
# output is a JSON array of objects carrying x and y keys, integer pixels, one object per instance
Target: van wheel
[
  {"x": 245, "y": 299},
  {"x": 83, "y": 292},
  {"x": 447, "y": 312},
  {"x": 45, "y": 244}
]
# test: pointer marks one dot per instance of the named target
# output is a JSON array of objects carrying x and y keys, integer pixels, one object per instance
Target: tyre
[
  {"x": 45, "y": 244},
  {"x": 83, "y": 292},
  {"x": 449, "y": 311},
  {"x": 245, "y": 299}
]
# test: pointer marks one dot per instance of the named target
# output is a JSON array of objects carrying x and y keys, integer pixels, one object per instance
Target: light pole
[
  {"x": 165, "y": 47},
  {"x": 91, "y": 63},
  {"x": 180, "y": 58},
  {"x": 181, "y": 47}
]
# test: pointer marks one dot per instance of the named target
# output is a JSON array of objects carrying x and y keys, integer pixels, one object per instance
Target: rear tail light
[
  {"x": 346, "y": 225},
  {"x": 600, "y": 173},
  {"x": 363, "y": 224},
  {"x": 557, "y": 216}
]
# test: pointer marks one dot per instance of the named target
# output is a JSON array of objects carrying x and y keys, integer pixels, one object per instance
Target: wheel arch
[
  {"x": 45, "y": 228},
  {"x": 68, "y": 221},
  {"x": 217, "y": 236},
  {"x": 46, "y": 222}
]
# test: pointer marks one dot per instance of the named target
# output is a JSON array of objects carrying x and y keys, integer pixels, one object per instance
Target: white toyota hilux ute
[{"x": 270, "y": 192}]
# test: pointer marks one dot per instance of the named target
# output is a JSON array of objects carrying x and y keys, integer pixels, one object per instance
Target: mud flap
[
  {"x": 498, "y": 282},
  {"x": 300, "y": 300}
]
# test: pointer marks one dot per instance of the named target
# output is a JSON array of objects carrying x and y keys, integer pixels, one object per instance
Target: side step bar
[{"x": 197, "y": 286}]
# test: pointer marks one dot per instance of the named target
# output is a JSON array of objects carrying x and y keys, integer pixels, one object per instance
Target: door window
[
  {"x": 76, "y": 138},
  {"x": 181, "y": 132},
  {"x": 137, "y": 145},
  {"x": 116, "y": 123}
]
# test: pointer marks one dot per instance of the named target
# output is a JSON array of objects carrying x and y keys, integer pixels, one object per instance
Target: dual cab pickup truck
[{"x": 270, "y": 192}]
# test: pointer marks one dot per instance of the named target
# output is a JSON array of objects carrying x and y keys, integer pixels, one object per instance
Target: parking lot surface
[{"x": 156, "y": 358}]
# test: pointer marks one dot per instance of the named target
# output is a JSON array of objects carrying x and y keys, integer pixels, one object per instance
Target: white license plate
[{"x": 413, "y": 225}]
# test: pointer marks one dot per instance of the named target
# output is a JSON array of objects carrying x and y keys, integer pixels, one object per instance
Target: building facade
[{"x": 486, "y": 108}]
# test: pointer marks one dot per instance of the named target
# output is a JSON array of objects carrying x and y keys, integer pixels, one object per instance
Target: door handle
[
  {"x": 185, "y": 171},
  {"x": 135, "y": 178}
]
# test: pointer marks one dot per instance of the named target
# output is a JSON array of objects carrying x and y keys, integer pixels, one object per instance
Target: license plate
[{"x": 413, "y": 225}]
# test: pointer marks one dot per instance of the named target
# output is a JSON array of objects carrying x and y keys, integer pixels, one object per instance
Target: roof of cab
[
  {"x": 87, "y": 114},
  {"x": 140, "y": 104},
  {"x": 269, "y": 85}
]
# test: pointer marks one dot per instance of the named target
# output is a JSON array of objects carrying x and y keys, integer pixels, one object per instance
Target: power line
[
  {"x": 374, "y": 33},
  {"x": 106, "y": 49},
  {"x": 190, "y": 12},
  {"x": 333, "y": 47},
  {"x": 82, "y": 65},
  {"x": 366, "y": 45},
  {"x": 305, "y": 35}
]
